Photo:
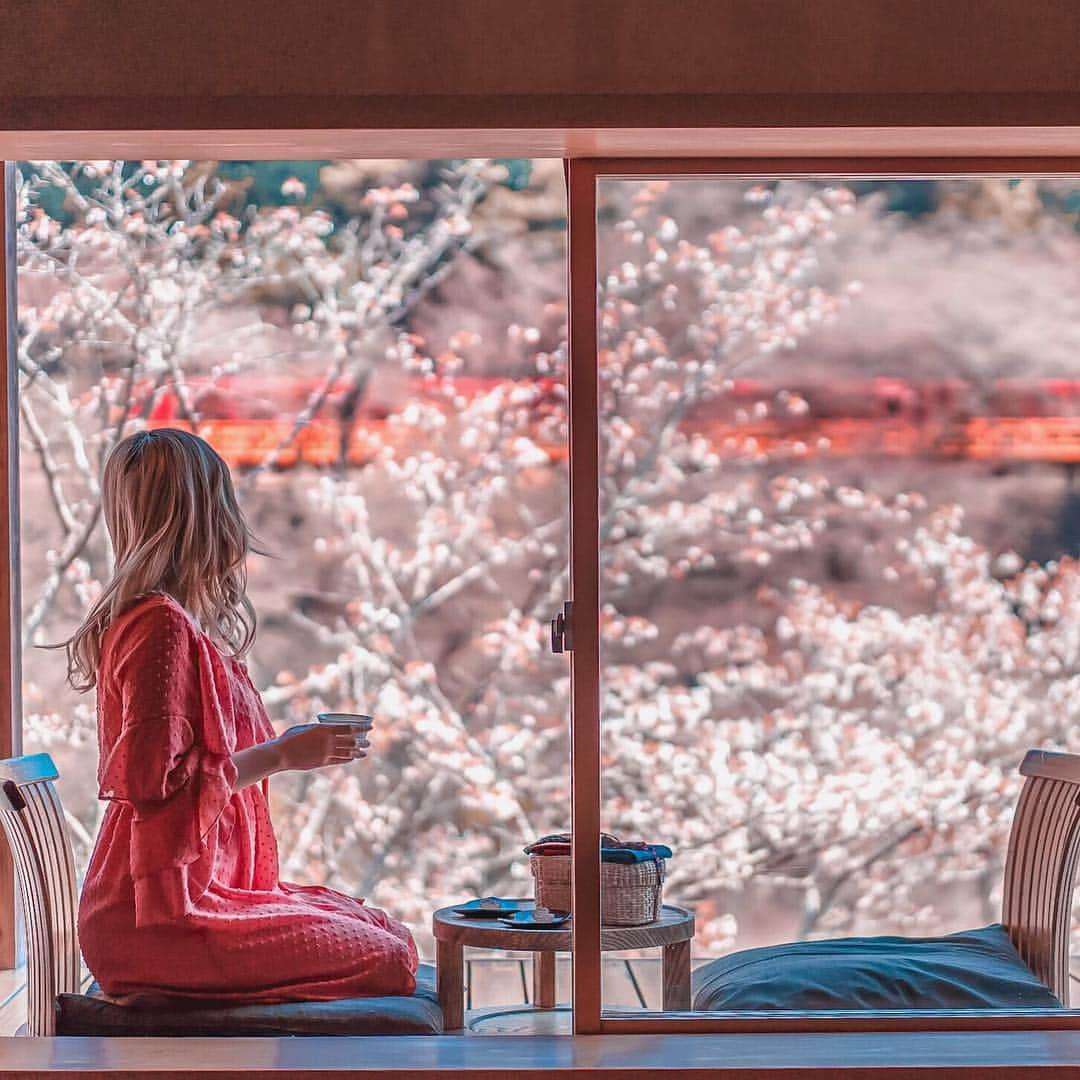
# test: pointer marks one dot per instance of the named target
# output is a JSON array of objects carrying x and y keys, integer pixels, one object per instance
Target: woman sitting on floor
[{"x": 182, "y": 897}]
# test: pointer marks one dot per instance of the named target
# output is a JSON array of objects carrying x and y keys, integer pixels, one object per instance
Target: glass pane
[
  {"x": 378, "y": 351},
  {"x": 840, "y": 423}
]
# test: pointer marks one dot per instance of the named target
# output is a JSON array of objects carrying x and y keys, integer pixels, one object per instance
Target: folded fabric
[
  {"x": 606, "y": 840},
  {"x": 662, "y": 850},
  {"x": 630, "y": 853},
  {"x": 548, "y": 849},
  {"x": 648, "y": 853}
]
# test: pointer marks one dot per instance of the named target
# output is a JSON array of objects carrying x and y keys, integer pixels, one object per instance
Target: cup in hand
[{"x": 357, "y": 720}]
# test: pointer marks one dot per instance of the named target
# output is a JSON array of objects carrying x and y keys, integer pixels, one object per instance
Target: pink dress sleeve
[{"x": 169, "y": 757}]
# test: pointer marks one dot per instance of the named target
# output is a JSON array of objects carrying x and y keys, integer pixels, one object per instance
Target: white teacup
[{"x": 360, "y": 720}]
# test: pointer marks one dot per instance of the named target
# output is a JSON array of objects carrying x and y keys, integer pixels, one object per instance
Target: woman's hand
[
  {"x": 306, "y": 746},
  {"x": 311, "y": 746}
]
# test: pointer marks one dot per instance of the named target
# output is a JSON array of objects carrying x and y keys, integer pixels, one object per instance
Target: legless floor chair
[
  {"x": 33, "y": 821},
  {"x": 1021, "y": 963}
]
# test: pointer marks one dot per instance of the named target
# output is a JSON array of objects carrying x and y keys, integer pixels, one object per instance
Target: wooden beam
[
  {"x": 538, "y": 112},
  {"x": 10, "y": 650},
  {"x": 536, "y": 78},
  {"x": 216, "y": 143},
  {"x": 986, "y": 1055},
  {"x": 383, "y": 55}
]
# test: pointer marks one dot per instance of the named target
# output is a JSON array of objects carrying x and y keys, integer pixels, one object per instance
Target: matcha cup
[{"x": 359, "y": 720}]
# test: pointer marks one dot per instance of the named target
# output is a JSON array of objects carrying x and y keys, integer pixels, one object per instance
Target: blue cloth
[
  {"x": 974, "y": 969},
  {"x": 635, "y": 855}
]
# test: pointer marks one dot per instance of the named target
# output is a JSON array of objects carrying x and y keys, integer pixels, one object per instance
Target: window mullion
[
  {"x": 584, "y": 577},
  {"x": 10, "y": 652}
]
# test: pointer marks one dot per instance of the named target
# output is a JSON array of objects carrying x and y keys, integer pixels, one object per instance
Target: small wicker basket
[{"x": 630, "y": 893}]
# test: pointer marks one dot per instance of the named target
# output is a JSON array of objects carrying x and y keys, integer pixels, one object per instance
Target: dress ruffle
[{"x": 173, "y": 766}]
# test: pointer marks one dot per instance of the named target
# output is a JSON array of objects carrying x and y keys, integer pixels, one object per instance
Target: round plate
[
  {"x": 473, "y": 910},
  {"x": 524, "y": 920}
]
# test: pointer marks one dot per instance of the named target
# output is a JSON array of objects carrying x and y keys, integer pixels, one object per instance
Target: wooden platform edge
[{"x": 985, "y": 1055}]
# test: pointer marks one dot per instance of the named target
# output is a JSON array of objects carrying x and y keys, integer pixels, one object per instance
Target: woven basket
[{"x": 630, "y": 893}]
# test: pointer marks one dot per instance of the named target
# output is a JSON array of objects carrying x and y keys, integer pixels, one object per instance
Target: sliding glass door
[{"x": 826, "y": 421}]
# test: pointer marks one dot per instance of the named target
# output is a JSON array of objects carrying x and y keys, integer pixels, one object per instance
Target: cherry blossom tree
[
  {"x": 485, "y": 546},
  {"x": 144, "y": 279},
  {"x": 115, "y": 305}
]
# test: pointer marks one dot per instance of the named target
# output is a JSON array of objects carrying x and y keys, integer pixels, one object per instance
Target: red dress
[{"x": 182, "y": 896}]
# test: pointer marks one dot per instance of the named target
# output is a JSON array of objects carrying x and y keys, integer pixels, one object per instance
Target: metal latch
[{"x": 562, "y": 629}]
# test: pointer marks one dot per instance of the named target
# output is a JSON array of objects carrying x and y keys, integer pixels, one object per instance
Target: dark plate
[
  {"x": 473, "y": 910},
  {"x": 524, "y": 920}
]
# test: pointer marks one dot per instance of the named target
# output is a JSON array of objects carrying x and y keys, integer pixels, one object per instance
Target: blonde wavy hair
[{"x": 176, "y": 528}]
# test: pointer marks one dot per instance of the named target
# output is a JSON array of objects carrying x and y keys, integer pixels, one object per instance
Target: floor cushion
[
  {"x": 974, "y": 969},
  {"x": 416, "y": 1014}
]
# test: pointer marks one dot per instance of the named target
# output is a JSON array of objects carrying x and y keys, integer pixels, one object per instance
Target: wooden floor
[{"x": 879, "y": 1056}]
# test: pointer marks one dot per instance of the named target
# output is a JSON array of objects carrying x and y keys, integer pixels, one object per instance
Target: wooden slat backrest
[
  {"x": 1040, "y": 869},
  {"x": 33, "y": 821}
]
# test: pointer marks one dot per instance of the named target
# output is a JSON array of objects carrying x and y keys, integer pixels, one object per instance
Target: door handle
[{"x": 562, "y": 629}]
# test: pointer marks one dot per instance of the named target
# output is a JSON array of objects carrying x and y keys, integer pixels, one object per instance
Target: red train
[
  {"x": 887, "y": 398},
  {"x": 265, "y": 397},
  {"x": 1005, "y": 419}
]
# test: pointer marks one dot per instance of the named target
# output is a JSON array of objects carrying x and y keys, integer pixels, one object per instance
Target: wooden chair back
[
  {"x": 33, "y": 821},
  {"x": 1040, "y": 869}
]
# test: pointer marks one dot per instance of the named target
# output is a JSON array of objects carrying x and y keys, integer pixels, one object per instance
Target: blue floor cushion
[
  {"x": 974, "y": 969},
  {"x": 416, "y": 1014}
]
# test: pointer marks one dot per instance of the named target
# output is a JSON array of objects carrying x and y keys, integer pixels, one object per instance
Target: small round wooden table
[{"x": 673, "y": 932}]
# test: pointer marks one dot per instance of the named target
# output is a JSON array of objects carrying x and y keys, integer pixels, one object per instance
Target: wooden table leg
[
  {"x": 544, "y": 980},
  {"x": 677, "y": 977},
  {"x": 450, "y": 979}
]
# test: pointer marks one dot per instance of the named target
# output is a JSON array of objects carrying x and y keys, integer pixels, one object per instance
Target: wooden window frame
[
  {"x": 590, "y": 1018},
  {"x": 871, "y": 152},
  {"x": 10, "y": 647}
]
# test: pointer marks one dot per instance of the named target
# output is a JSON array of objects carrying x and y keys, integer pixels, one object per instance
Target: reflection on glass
[{"x": 839, "y": 587}]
